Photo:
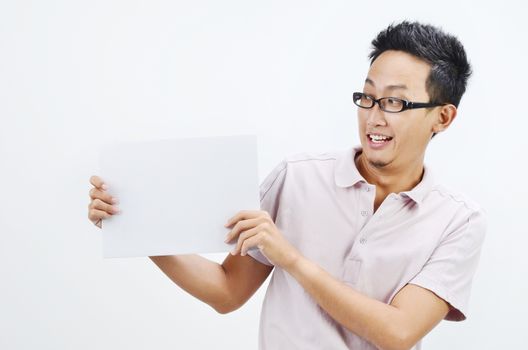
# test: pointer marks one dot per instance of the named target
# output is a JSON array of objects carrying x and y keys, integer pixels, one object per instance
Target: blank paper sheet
[{"x": 176, "y": 194}]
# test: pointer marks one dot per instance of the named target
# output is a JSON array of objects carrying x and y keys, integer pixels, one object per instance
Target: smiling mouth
[{"x": 379, "y": 139}]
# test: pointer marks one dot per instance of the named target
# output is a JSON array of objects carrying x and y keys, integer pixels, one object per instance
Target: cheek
[
  {"x": 411, "y": 135},
  {"x": 362, "y": 120},
  {"x": 404, "y": 133}
]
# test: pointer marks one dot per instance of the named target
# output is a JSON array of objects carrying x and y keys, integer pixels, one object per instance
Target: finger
[
  {"x": 98, "y": 182},
  {"x": 240, "y": 226},
  {"x": 244, "y": 215},
  {"x": 95, "y": 215},
  {"x": 102, "y": 195},
  {"x": 243, "y": 236},
  {"x": 100, "y": 205},
  {"x": 253, "y": 241}
]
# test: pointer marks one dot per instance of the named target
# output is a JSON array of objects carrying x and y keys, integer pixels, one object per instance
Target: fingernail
[
  {"x": 104, "y": 187},
  {"x": 114, "y": 200},
  {"x": 226, "y": 240}
]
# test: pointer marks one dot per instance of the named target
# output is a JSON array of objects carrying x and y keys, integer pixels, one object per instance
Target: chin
[
  {"x": 376, "y": 160},
  {"x": 378, "y": 163}
]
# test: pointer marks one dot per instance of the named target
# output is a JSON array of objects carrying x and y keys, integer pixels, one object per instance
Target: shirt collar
[
  {"x": 346, "y": 172},
  {"x": 346, "y": 175},
  {"x": 418, "y": 193}
]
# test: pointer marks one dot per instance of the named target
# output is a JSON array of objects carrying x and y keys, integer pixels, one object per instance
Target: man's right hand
[{"x": 102, "y": 205}]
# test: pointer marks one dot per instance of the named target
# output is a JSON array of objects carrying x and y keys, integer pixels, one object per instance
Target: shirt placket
[{"x": 369, "y": 218}]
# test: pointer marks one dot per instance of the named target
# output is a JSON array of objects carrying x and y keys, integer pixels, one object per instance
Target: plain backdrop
[{"x": 78, "y": 74}]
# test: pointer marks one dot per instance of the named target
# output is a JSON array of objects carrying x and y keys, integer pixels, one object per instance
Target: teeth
[{"x": 379, "y": 138}]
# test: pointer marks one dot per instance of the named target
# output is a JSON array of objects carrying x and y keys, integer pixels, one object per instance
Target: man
[{"x": 368, "y": 250}]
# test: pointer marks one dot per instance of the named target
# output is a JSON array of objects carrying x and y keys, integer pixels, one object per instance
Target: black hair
[{"x": 450, "y": 68}]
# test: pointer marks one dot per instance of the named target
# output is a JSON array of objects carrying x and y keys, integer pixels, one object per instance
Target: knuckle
[
  {"x": 99, "y": 204},
  {"x": 92, "y": 215},
  {"x": 109, "y": 208},
  {"x": 96, "y": 180}
]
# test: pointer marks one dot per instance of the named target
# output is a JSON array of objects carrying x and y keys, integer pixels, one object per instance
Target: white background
[{"x": 77, "y": 74}]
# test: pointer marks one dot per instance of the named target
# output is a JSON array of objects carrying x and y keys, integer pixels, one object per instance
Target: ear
[{"x": 445, "y": 118}]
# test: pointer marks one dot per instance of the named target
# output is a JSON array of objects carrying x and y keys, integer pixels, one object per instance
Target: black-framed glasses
[{"x": 389, "y": 104}]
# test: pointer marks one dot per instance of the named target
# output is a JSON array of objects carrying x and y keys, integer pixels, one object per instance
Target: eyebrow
[{"x": 389, "y": 87}]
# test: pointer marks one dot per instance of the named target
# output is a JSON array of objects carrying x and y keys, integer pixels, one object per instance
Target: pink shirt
[{"x": 428, "y": 236}]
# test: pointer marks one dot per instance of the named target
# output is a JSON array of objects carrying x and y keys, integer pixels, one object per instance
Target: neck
[{"x": 390, "y": 179}]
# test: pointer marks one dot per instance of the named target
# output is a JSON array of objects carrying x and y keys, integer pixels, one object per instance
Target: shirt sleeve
[
  {"x": 449, "y": 271},
  {"x": 270, "y": 195}
]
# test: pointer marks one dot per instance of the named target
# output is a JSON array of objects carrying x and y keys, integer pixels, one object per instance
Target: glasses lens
[
  {"x": 363, "y": 100},
  {"x": 391, "y": 104}
]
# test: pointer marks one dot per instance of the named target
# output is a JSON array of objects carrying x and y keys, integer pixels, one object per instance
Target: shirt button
[
  {"x": 368, "y": 189},
  {"x": 363, "y": 240},
  {"x": 364, "y": 213}
]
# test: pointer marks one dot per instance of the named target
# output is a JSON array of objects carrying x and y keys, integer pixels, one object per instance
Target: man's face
[{"x": 396, "y": 74}]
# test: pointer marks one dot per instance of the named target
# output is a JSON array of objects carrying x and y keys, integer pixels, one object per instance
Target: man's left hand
[{"x": 255, "y": 228}]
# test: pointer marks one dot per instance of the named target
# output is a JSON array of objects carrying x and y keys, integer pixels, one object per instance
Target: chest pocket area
[{"x": 351, "y": 271}]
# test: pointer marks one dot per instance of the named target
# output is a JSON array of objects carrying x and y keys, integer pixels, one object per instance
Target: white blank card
[{"x": 176, "y": 194}]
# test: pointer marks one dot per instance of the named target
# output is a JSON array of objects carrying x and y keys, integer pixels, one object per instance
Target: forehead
[{"x": 396, "y": 68}]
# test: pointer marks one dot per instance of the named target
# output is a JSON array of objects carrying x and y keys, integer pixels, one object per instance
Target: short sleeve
[
  {"x": 450, "y": 269},
  {"x": 270, "y": 194}
]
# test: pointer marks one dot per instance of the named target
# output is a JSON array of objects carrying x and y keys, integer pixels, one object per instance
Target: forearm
[
  {"x": 198, "y": 276},
  {"x": 380, "y": 323}
]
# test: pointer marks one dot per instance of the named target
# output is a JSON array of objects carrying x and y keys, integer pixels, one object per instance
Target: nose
[{"x": 375, "y": 116}]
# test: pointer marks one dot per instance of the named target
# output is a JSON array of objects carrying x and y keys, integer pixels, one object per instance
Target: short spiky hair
[{"x": 450, "y": 68}]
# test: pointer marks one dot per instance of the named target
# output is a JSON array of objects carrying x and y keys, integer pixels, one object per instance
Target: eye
[{"x": 365, "y": 98}]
